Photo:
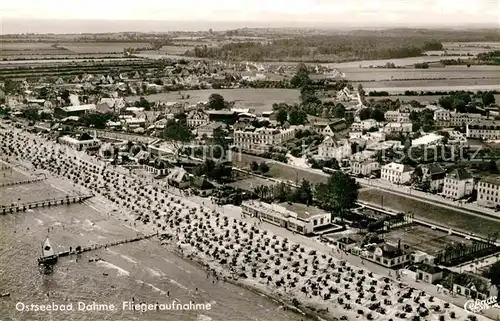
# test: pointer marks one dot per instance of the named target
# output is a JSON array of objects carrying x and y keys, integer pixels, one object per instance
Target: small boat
[
  {"x": 5, "y": 294},
  {"x": 48, "y": 255}
]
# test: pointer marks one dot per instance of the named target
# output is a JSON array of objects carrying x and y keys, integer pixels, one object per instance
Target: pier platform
[
  {"x": 79, "y": 250},
  {"x": 21, "y": 207},
  {"x": 26, "y": 181}
]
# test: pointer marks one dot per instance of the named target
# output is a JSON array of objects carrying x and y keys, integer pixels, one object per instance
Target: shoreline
[
  {"x": 186, "y": 218},
  {"x": 98, "y": 202}
]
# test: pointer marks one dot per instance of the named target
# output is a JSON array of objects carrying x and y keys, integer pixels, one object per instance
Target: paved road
[{"x": 284, "y": 172}]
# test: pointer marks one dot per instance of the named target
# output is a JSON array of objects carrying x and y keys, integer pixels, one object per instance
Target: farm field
[
  {"x": 37, "y": 50},
  {"x": 465, "y": 48},
  {"x": 399, "y": 87},
  {"x": 175, "y": 50},
  {"x": 257, "y": 99},
  {"x": 65, "y": 60},
  {"x": 16, "y": 50},
  {"x": 382, "y": 62},
  {"x": 450, "y": 72},
  {"x": 156, "y": 55},
  {"x": 102, "y": 47},
  {"x": 422, "y": 99}
]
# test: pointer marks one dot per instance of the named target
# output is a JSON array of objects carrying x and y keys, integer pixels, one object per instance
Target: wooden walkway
[
  {"x": 26, "y": 181},
  {"x": 94, "y": 247},
  {"x": 21, "y": 207}
]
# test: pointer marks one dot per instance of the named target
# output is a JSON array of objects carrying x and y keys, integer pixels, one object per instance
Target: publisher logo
[{"x": 476, "y": 306}]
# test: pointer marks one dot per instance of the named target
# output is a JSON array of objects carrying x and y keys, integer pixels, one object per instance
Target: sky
[{"x": 363, "y": 12}]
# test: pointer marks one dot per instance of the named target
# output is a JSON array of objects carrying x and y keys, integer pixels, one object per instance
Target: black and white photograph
[{"x": 250, "y": 160}]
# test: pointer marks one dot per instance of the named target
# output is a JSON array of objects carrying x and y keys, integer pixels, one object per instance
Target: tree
[
  {"x": 446, "y": 102},
  {"x": 338, "y": 194},
  {"x": 65, "y": 96},
  {"x": 142, "y": 103},
  {"x": 219, "y": 143},
  {"x": 301, "y": 77},
  {"x": 44, "y": 92},
  {"x": 216, "y": 102},
  {"x": 488, "y": 98},
  {"x": 31, "y": 113},
  {"x": 177, "y": 130},
  {"x": 178, "y": 133},
  {"x": 494, "y": 274},
  {"x": 11, "y": 86},
  {"x": 339, "y": 111},
  {"x": 365, "y": 113},
  {"x": 416, "y": 176},
  {"x": 254, "y": 166},
  {"x": 304, "y": 193},
  {"x": 263, "y": 167},
  {"x": 361, "y": 91},
  {"x": 281, "y": 116},
  {"x": 377, "y": 114},
  {"x": 297, "y": 117}
]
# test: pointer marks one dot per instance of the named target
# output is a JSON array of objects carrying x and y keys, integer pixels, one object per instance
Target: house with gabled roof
[
  {"x": 396, "y": 173},
  {"x": 458, "y": 184},
  {"x": 434, "y": 173},
  {"x": 178, "y": 177}
]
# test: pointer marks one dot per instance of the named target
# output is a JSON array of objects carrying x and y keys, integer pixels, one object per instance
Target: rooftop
[
  {"x": 427, "y": 139},
  {"x": 460, "y": 174},
  {"x": 398, "y": 167},
  {"x": 303, "y": 211},
  {"x": 79, "y": 108},
  {"x": 495, "y": 180}
]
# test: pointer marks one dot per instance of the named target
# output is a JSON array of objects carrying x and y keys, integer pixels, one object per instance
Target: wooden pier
[
  {"x": 79, "y": 250},
  {"x": 21, "y": 207},
  {"x": 26, "y": 181}
]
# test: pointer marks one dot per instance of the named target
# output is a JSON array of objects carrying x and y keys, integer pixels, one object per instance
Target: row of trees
[
  {"x": 351, "y": 46},
  {"x": 464, "y": 102}
]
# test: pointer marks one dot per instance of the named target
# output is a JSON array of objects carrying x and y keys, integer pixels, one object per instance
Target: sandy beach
[{"x": 230, "y": 249}]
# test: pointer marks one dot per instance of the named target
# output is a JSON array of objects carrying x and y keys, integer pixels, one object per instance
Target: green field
[
  {"x": 38, "y": 50},
  {"x": 394, "y": 74},
  {"x": 102, "y": 47},
  {"x": 258, "y": 99}
]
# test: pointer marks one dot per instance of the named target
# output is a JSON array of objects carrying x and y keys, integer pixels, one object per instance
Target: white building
[
  {"x": 208, "y": 129},
  {"x": 445, "y": 118},
  {"x": 483, "y": 129},
  {"x": 427, "y": 140},
  {"x": 404, "y": 128},
  {"x": 83, "y": 142},
  {"x": 364, "y": 168},
  {"x": 197, "y": 118},
  {"x": 364, "y": 125},
  {"x": 397, "y": 116},
  {"x": 260, "y": 139},
  {"x": 458, "y": 184},
  {"x": 295, "y": 217},
  {"x": 333, "y": 148},
  {"x": 462, "y": 119},
  {"x": 396, "y": 173},
  {"x": 133, "y": 123},
  {"x": 487, "y": 191}
]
